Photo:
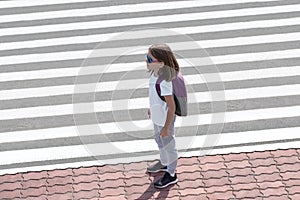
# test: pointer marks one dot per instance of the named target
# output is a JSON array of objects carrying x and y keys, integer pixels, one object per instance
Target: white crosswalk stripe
[{"x": 254, "y": 45}]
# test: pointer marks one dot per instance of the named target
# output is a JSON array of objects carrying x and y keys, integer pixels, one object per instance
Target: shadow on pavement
[{"x": 151, "y": 190}]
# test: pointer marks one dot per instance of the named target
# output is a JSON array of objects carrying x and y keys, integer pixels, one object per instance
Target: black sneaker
[
  {"x": 157, "y": 167},
  {"x": 166, "y": 180}
]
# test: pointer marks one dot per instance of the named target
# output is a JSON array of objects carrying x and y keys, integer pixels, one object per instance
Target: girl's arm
[{"x": 170, "y": 115}]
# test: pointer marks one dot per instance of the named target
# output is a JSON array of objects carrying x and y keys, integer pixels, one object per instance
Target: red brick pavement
[{"x": 268, "y": 175}]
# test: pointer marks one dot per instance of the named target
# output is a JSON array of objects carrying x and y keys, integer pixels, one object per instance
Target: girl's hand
[{"x": 165, "y": 132}]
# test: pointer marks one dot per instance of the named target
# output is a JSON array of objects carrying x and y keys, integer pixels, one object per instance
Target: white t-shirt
[{"x": 159, "y": 108}]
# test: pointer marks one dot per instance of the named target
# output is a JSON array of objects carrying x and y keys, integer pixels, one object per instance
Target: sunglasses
[{"x": 150, "y": 60}]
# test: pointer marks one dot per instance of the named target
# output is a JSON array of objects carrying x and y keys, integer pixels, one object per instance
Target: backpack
[{"x": 179, "y": 94}]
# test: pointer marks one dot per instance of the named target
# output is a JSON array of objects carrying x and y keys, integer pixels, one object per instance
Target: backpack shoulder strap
[{"x": 157, "y": 86}]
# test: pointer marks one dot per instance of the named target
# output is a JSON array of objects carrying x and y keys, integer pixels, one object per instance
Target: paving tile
[
  {"x": 58, "y": 189},
  {"x": 194, "y": 197},
  {"x": 112, "y": 191},
  {"x": 289, "y": 167},
  {"x": 35, "y": 175},
  {"x": 111, "y": 183},
  {"x": 86, "y": 186},
  {"x": 137, "y": 181},
  {"x": 130, "y": 175},
  {"x": 244, "y": 186},
  {"x": 265, "y": 169},
  {"x": 65, "y": 196},
  {"x": 85, "y": 170},
  {"x": 240, "y": 172},
  {"x": 212, "y": 166},
  {"x": 271, "y": 191},
  {"x": 271, "y": 184},
  {"x": 191, "y": 191},
  {"x": 268, "y": 177},
  {"x": 111, "y": 176},
  {"x": 143, "y": 196},
  {"x": 283, "y": 153},
  {"x": 60, "y": 173},
  {"x": 185, "y": 176},
  {"x": 10, "y": 194},
  {"x": 9, "y": 178},
  {"x": 282, "y": 197},
  {"x": 170, "y": 191},
  {"x": 287, "y": 160},
  {"x": 242, "y": 194},
  {"x": 238, "y": 164},
  {"x": 119, "y": 197},
  {"x": 290, "y": 175},
  {"x": 60, "y": 180},
  {"x": 216, "y": 182},
  {"x": 295, "y": 196},
  {"x": 85, "y": 178},
  {"x": 29, "y": 192},
  {"x": 34, "y": 183},
  {"x": 190, "y": 184},
  {"x": 259, "y": 155},
  {"x": 214, "y": 189},
  {"x": 221, "y": 195},
  {"x": 188, "y": 168},
  {"x": 188, "y": 161},
  {"x": 242, "y": 180},
  {"x": 235, "y": 157},
  {"x": 136, "y": 174},
  {"x": 86, "y": 194},
  {"x": 291, "y": 182},
  {"x": 170, "y": 198},
  {"x": 248, "y": 198},
  {"x": 138, "y": 189},
  {"x": 214, "y": 174},
  {"x": 142, "y": 166},
  {"x": 10, "y": 186},
  {"x": 111, "y": 169},
  {"x": 165, "y": 194},
  {"x": 293, "y": 189},
  {"x": 211, "y": 159},
  {"x": 41, "y": 197},
  {"x": 173, "y": 188},
  {"x": 262, "y": 162}
]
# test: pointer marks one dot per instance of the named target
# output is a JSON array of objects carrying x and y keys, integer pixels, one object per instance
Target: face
[{"x": 155, "y": 64}]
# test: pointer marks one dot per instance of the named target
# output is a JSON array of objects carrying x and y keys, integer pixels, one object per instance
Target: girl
[{"x": 162, "y": 63}]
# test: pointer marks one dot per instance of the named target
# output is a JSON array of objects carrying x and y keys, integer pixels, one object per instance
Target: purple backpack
[{"x": 179, "y": 94}]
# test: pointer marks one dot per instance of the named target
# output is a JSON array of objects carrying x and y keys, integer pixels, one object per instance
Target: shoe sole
[
  {"x": 159, "y": 170},
  {"x": 164, "y": 186}
]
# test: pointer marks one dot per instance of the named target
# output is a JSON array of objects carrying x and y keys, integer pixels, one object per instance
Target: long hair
[{"x": 163, "y": 53}]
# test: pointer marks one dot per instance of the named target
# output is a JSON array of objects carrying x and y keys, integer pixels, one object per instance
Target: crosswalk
[{"x": 65, "y": 101}]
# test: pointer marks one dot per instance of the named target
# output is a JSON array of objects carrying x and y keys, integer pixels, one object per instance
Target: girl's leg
[
  {"x": 169, "y": 147},
  {"x": 162, "y": 152}
]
